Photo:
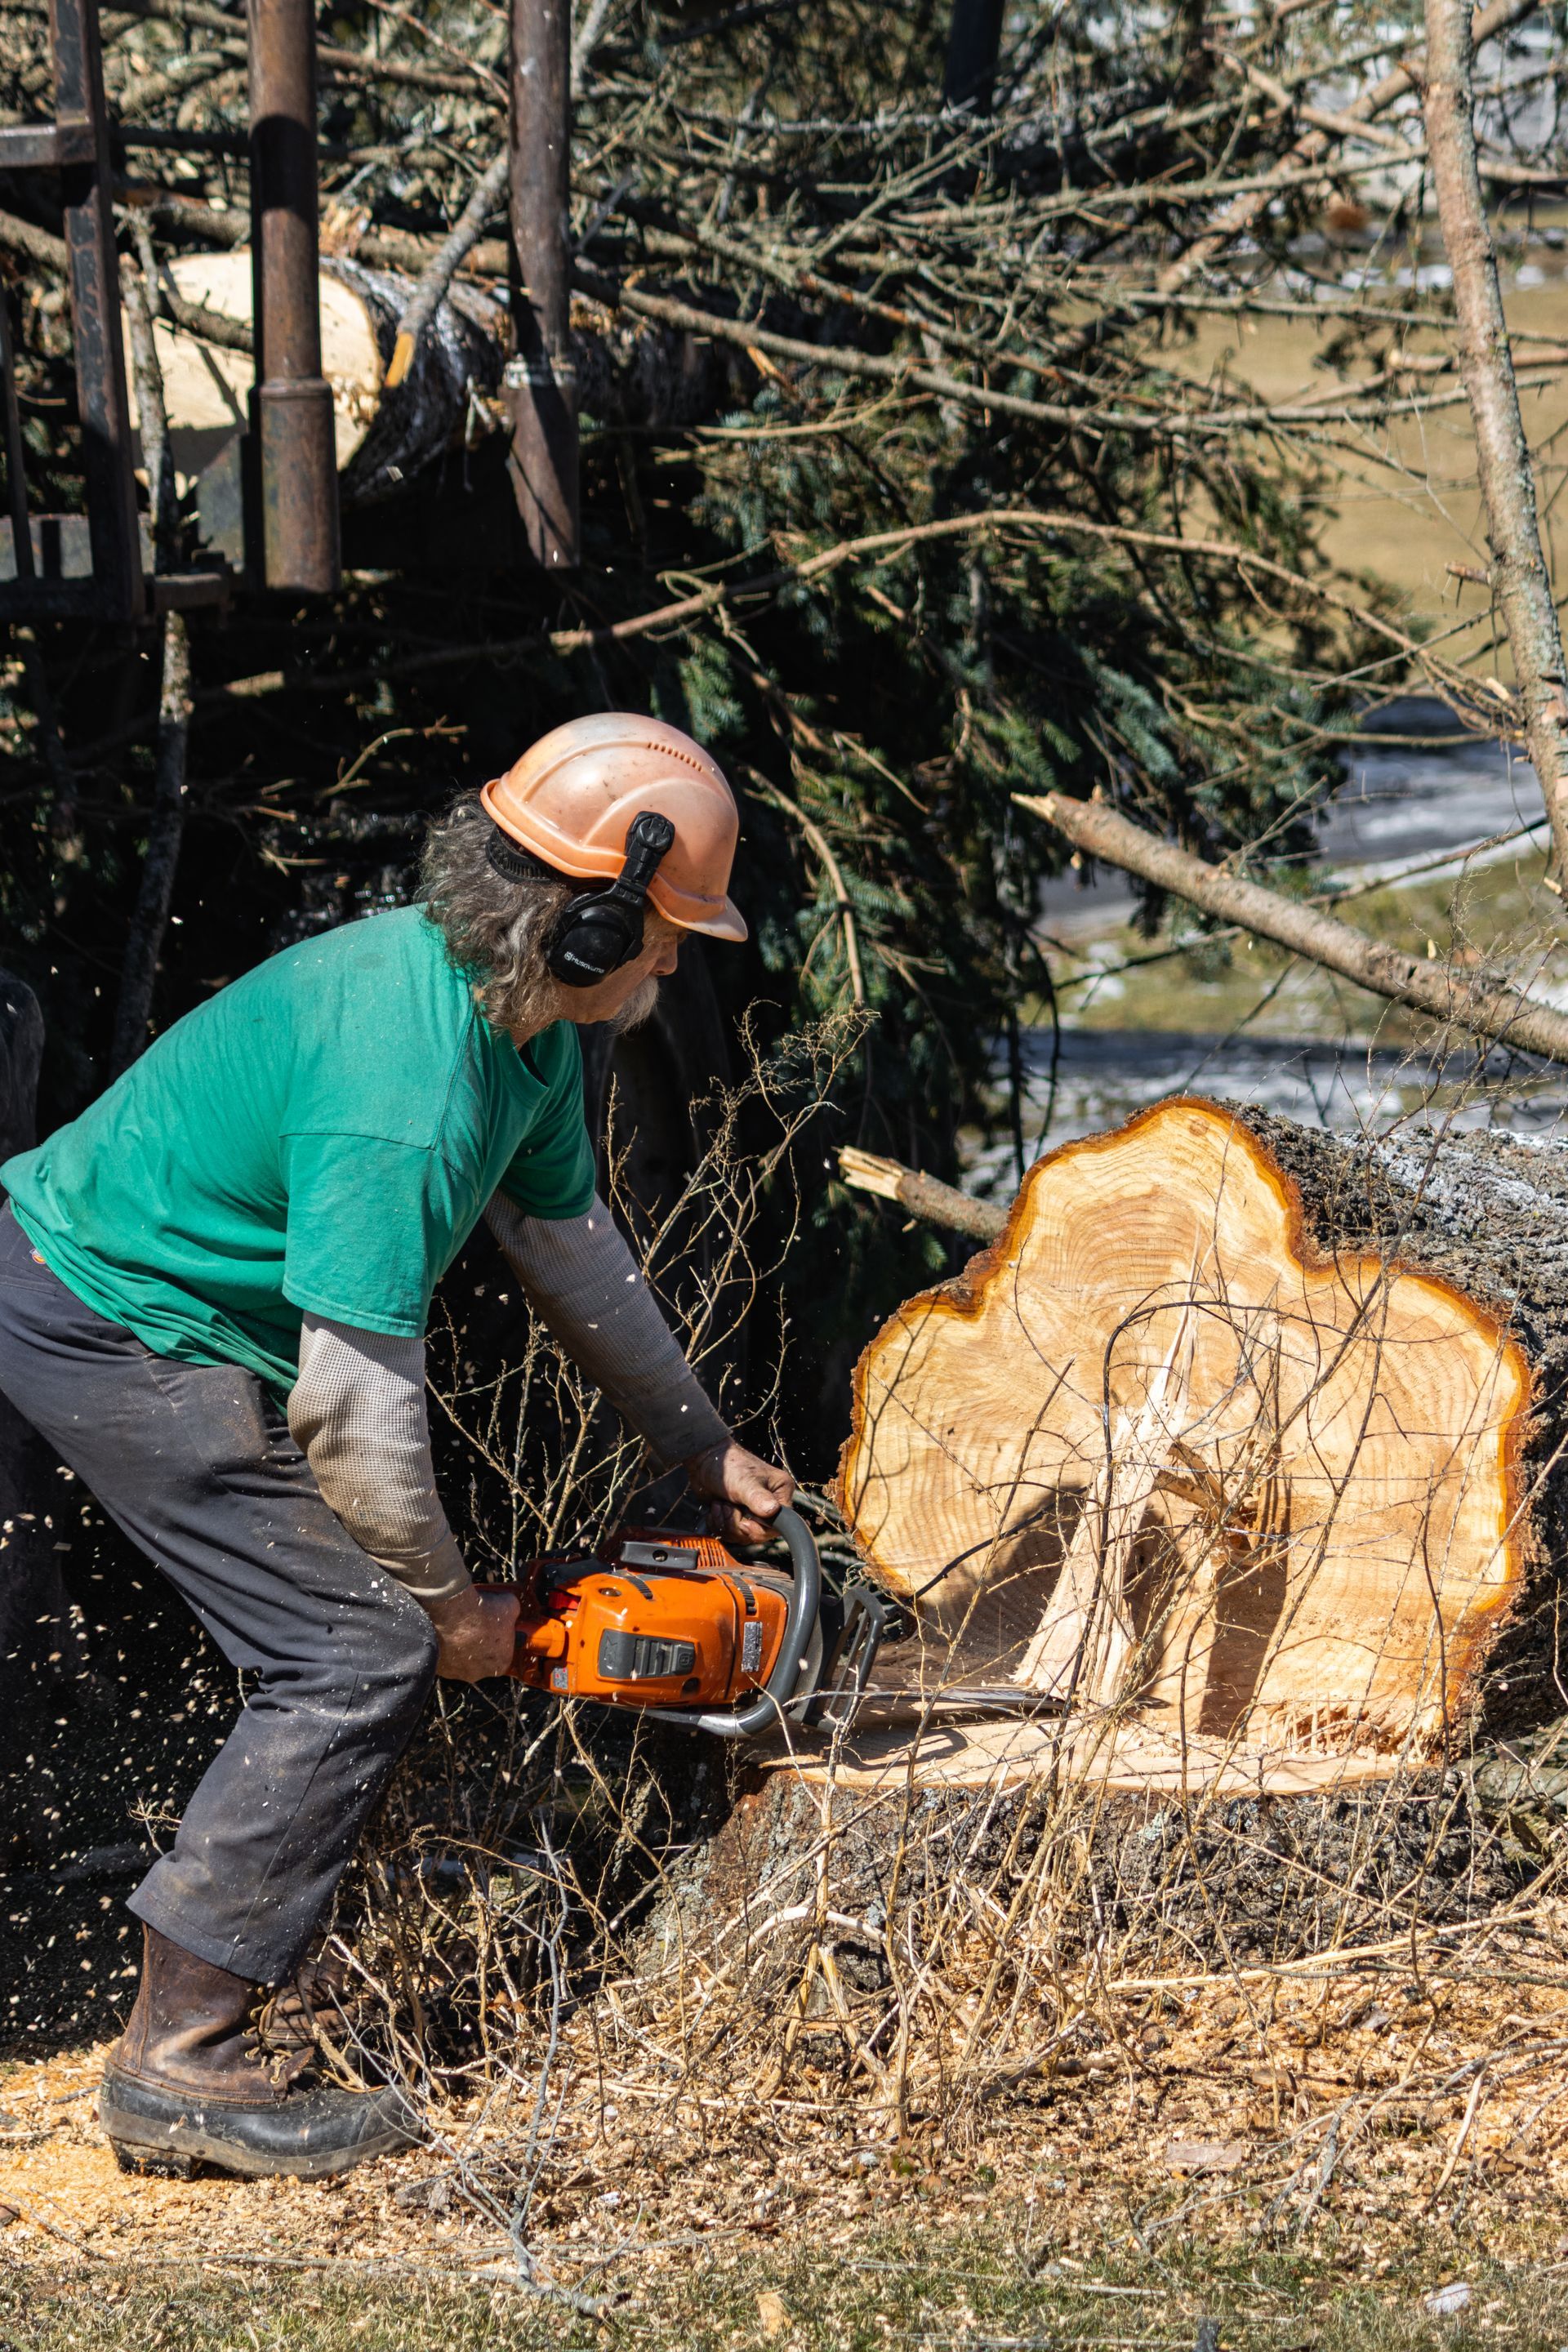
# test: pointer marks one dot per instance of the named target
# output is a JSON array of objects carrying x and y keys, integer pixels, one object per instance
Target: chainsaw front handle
[{"x": 806, "y": 1601}]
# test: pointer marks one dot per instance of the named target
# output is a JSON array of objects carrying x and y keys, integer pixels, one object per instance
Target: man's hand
[
  {"x": 479, "y": 1634},
  {"x": 747, "y": 1492}
]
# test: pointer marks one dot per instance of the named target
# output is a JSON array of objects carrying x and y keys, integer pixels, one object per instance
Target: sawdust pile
[{"x": 1425, "y": 2081}]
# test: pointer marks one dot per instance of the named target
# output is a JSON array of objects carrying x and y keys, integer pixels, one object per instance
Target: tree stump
[{"x": 1242, "y": 1440}]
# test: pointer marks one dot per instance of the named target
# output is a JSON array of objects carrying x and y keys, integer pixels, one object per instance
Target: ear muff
[{"x": 598, "y": 931}]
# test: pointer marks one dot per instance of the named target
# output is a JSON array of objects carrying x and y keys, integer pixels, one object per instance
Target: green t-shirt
[{"x": 324, "y": 1135}]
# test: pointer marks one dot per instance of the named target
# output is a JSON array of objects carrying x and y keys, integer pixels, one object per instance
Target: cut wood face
[
  {"x": 1150, "y": 1451},
  {"x": 206, "y": 387}
]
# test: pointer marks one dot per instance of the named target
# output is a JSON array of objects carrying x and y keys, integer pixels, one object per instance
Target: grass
[{"x": 978, "y": 2285}]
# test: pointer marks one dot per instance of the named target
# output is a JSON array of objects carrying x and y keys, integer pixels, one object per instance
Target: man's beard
[{"x": 637, "y": 1009}]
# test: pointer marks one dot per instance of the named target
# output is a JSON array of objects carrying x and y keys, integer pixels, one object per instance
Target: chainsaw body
[
  {"x": 655, "y": 1620},
  {"x": 675, "y": 1623}
]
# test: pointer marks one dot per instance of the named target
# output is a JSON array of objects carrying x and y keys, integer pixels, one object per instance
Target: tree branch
[
  {"x": 1486, "y": 1008},
  {"x": 923, "y": 1196},
  {"x": 905, "y": 373},
  {"x": 1519, "y": 579},
  {"x": 48, "y": 251},
  {"x": 723, "y": 592},
  {"x": 443, "y": 266}
]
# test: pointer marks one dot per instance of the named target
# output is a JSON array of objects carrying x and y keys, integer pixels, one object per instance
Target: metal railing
[{"x": 96, "y": 566}]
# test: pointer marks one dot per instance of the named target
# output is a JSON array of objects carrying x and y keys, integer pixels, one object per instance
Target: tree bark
[
  {"x": 1518, "y": 578},
  {"x": 1483, "y": 1008}
]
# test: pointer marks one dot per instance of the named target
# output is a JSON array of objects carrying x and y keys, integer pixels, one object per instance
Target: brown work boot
[{"x": 188, "y": 2084}]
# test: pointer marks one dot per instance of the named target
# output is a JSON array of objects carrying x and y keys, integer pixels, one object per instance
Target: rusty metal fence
[{"x": 96, "y": 565}]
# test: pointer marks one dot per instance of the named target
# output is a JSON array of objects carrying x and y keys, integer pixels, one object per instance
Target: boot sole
[{"x": 192, "y": 2140}]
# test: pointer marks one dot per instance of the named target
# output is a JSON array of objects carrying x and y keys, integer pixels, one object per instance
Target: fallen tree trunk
[
  {"x": 383, "y": 439},
  {"x": 1241, "y": 1434}
]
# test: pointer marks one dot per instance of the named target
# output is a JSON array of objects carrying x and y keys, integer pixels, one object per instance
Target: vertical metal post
[
  {"x": 541, "y": 384},
  {"x": 291, "y": 406},
  {"x": 87, "y": 191},
  {"x": 16, "y": 475}
]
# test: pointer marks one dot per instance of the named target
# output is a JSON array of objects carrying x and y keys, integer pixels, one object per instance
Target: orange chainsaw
[{"x": 675, "y": 1623}]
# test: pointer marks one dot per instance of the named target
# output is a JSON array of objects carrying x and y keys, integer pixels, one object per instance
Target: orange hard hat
[{"x": 571, "y": 799}]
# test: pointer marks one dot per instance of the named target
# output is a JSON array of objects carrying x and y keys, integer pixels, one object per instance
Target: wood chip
[{"x": 1205, "y": 2155}]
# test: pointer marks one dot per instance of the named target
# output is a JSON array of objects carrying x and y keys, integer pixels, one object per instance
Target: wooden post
[{"x": 87, "y": 191}]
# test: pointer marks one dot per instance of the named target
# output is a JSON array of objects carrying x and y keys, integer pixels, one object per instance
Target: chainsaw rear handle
[{"x": 806, "y": 1600}]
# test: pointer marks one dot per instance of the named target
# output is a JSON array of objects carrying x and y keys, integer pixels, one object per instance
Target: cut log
[
  {"x": 381, "y": 441},
  {"x": 1239, "y": 1437},
  {"x": 627, "y": 373}
]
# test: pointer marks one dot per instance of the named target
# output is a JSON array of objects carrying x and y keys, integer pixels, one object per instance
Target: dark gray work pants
[{"x": 195, "y": 1462}]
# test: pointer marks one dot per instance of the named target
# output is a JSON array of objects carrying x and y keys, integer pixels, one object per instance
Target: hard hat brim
[
  {"x": 600, "y": 864},
  {"x": 729, "y": 923}
]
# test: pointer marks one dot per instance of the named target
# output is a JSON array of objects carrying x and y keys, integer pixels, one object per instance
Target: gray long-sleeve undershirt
[{"x": 358, "y": 1413}]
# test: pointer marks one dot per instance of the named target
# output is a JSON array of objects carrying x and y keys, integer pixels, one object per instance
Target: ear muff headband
[{"x": 598, "y": 931}]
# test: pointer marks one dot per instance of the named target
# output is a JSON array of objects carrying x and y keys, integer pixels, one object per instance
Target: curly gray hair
[{"x": 495, "y": 929}]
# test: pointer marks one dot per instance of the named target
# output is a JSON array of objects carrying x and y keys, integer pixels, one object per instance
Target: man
[{"x": 213, "y": 1294}]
